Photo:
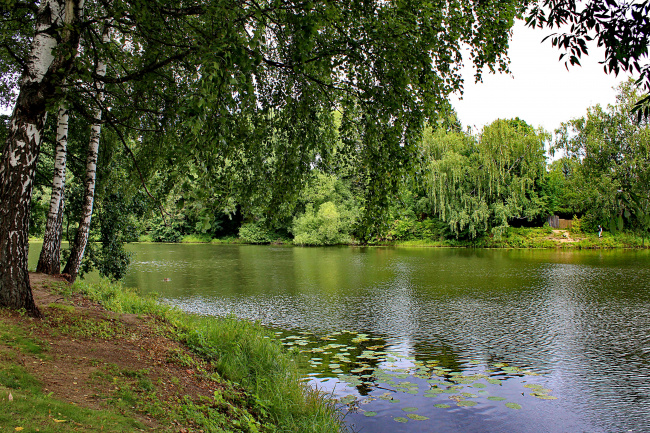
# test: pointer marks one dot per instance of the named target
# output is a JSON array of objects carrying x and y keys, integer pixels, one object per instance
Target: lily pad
[
  {"x": 417, "y": 417},
  {"x": 442, "y": 406},
  {"x": 513, "y": 406},
  {"x": 400, "y": 419},
  {"x": 409, "y": 409},
  {"x": 494, "y": 381},
  {"x": 494, "y": 398},
  {"x": 467, "y": 403},
  {"x": 370, "y": 413}
]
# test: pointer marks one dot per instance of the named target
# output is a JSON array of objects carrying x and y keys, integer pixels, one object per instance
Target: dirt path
[
  {"x": 90, "y": 348},
  {"x": 562, "y": 236}
]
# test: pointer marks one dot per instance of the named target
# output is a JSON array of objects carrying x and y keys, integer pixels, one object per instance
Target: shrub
[
  {"x": 324, "y": 227},
  {"x": 256, "y": 233}
]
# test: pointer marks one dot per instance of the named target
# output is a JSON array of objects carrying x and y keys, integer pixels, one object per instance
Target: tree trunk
[
  {"x": 45, "y": 71},
  {"x": 49, "y": 261},
  {"x": 81, "y": 237}
]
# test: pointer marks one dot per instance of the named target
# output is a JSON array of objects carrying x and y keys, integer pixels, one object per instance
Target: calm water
[{"x": 509, "y": 340}]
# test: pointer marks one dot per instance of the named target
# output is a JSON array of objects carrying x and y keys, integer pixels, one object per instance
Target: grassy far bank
[
  {"x": 541, "y": 237},
  {"x": 106, "y": 359}
]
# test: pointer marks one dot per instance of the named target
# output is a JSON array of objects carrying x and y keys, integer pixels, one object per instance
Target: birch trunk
[
  {"x": 81, "y": 237},
  {"x": 43, "y": 76},
  {"x": 49, "y": 261}
]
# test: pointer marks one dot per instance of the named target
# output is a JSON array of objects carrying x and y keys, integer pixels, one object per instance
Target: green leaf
[{"x": 409, "y": 409}]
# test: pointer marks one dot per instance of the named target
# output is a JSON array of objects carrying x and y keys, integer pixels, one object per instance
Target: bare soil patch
[{"x": 87, "y": 346}]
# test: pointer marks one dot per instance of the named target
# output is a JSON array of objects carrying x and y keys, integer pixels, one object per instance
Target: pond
[{"x": 445, "y": 340}]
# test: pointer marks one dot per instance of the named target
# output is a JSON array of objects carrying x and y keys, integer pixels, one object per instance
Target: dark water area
[{"x": 444, "y": 340}]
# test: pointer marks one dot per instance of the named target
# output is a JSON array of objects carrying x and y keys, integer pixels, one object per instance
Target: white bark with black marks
[
  {"x": 49, "y": 261},
  {"x": 81, "y": 237},
  {"x": 44, "y": 75}
]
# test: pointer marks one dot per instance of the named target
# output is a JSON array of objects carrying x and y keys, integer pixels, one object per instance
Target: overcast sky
[{"x": 539, "y": 90}]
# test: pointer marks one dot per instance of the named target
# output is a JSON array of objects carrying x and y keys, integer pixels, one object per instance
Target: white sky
[{"x": 539, "y": 90}]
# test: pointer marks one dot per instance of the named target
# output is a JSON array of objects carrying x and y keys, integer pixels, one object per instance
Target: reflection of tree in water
[{"x": 438, "y": 351}]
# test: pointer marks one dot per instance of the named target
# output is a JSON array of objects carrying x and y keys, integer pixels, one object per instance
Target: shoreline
[
  {"x": 515, "y": 238},
  {"x": 104, "y": 358}
]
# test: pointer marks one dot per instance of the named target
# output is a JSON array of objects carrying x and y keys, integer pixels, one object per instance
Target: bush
[
  {"x": 256, "y": 233},
  {"x": 324, "y": 227},
  {"x": 410, "y": 229}
]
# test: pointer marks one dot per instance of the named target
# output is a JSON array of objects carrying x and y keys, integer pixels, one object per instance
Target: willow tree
[
  {"x": 252, "y": 72},
  {"x": 480, "y": 184}
]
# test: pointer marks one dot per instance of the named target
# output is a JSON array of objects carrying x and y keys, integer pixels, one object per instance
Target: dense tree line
[{"x": 464, "y": 186}]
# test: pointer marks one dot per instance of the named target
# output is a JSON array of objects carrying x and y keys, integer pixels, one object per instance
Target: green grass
[
  {"x": 196, "y": 239},
  {"x": 242, "y": 353},
  {"x": 29, "y": 409},
  {"x": 538, "y": 238}
]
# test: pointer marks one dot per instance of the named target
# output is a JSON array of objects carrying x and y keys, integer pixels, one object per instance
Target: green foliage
[
  {"x": 479, "y": 184},
  {"x": 257, "y": 233},
  {"x": 610, "y": 151},
  {"x": 168, "y": 229},
  {"x": 410, "y": 229},
  {"x": 330, "y": 212}
]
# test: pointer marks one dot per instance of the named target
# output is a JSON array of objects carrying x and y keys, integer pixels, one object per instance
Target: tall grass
[{"x": 241, "y": 352}]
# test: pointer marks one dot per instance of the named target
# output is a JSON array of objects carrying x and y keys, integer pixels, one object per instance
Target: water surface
[{"x": 562, "y": 337}]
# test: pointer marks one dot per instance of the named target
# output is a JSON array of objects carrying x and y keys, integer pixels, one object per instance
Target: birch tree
[
  {"x": 81, "y": 236},
  {"x": 50, "y": 59},
  {"x": 49, "y": 261}
]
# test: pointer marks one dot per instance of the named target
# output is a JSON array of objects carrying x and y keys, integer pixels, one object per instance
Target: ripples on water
[{"x": 579, "y": 319}]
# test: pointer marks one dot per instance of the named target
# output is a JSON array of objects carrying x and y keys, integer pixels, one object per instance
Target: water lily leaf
[
  {"x": 370, "y": 413},
  {"x": 493, "y": 398},
  {"x": 467, "y": 403},
  {"x": 395, "y": 400},
  {"x": 479, "y": 385},
  {"x": 442, "y": 406},
  {"x": 412, "y": 391},
  {"x": 468, "y": 395},
  {"x": 409, "y": 409},
  {"x": 533, "y": 385},
  {"x": 417, "y": 417},
  {"x": 513, "y": 406},
  {"x": 400, "y": 419},
  {"x": 494, "y": 381}
]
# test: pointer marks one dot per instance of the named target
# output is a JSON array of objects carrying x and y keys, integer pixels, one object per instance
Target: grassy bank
[
  {"x": 541, "y": 237},
  {"x": 107, "y": 359}
]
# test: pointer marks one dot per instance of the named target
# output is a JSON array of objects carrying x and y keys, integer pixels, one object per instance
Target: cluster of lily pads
[{"x": 363, "y": 364}]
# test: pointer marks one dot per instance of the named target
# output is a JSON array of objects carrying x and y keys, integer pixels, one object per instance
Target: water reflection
[{"x": 579, "y": 319}]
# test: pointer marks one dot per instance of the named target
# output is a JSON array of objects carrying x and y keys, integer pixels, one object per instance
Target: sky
[{"x": 539, "y": 89}]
